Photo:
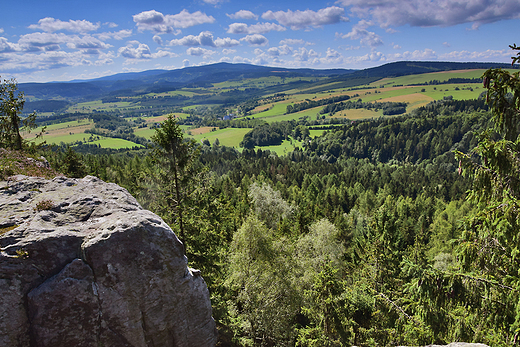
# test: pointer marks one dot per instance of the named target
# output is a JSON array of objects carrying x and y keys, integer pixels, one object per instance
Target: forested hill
[
  {"x": 147, "y": 81},
  {"x": 403, "y": 68}
]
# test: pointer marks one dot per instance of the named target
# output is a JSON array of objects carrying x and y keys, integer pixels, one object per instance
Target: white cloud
[
  {"x": 304, "y": 55},
  {"x": 87, "y": 42},
  {"x": 142, "y": 51},
  {"x": 281, "y": 50},
  {"x": 294, "y": 42},
  {"x": 35, "y": 42},
  {"x": 50, "y": 24},
  {"x": 115, "y": 35},
  {"x": 332, "y": 53},
  {"x": 158, "y": 40},
  {"x": 214, "y": 2},
  {"x": 8, "y": 47},
  {"x": 157, "y": 22},
  {"x": 426, "y": 54},
  {"x": 185, "y": 63},
  {"x": 226, "y": 42},
  {"x": 260, "y": 28},
  {"x": 205, "y": 38},
  {"x": 243, "y": 14},
  {"x": 1, "y": 30},
  {"x": 198, "y": 51},
  {"x": 48, "y": 60},
  {"x": 41, "y": 41},
  {"x": 111, "y": 24},
  {"x": 446, "y": 44},
  {"x": 255, "y": 40},
  {"x": 163, "y": 53},
  {"x": 227, "y": 51},
  {"x": 472, "y": 56},
  {"x": 365, "y": 37},
  {"x": 308, "y": 18},
  {"x": 425, "y": 13}
]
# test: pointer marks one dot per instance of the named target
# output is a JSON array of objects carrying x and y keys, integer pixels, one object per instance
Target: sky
[{"x": 62, "y": 40}]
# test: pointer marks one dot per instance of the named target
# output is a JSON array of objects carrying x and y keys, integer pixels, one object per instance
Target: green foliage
[
  {"x": 259, "y": 273},
  {"x": 269, "y": 205},
  {"x": 11, "y": 123},
  {"x": 177, "y": 158},
  {"x": 71, "y": 164},
  {"x": 489, "y": 245}
]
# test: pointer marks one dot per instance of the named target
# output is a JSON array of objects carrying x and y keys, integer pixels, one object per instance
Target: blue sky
[{"x": 62, "y": 40}]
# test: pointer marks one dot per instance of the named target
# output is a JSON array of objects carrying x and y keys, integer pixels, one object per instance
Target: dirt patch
[
  {"x": 203, "y": 130},
  {"x": 73, "y": 130}
]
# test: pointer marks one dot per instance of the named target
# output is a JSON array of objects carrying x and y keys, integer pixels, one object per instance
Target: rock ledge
[{"x": 82, "y": 264}]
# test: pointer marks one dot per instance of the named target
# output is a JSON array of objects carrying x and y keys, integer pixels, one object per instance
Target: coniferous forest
[{"x": 399, "y": 230}]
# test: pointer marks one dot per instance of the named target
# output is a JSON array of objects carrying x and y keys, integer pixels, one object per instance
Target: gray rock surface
[{"x": 82, "y": 264}]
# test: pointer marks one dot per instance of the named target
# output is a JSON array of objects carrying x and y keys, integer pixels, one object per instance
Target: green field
[
  {"x": 286, "y": 147},
  {"x": 230, "y": 137},
  {"x": 109, "y": 142},
  {"x": 424, "y": 78}
]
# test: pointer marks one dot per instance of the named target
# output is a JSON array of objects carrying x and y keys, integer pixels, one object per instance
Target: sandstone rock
[{"x": 82, "y": 264}]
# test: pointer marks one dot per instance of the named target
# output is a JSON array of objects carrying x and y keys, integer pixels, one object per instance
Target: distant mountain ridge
[{"x": 162, "y": 80}]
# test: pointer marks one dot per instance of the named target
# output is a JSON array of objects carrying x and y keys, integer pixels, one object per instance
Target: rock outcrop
[{"x": 82, "y": 264}]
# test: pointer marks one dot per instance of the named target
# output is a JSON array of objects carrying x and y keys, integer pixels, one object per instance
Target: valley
[{"x": 264, "y": 99}]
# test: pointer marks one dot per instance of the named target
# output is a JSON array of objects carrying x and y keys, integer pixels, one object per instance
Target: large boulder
[{"x": 82, "y": 264}]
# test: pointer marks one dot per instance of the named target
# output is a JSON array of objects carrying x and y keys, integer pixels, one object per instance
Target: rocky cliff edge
[{"x": 82, "y": 264}]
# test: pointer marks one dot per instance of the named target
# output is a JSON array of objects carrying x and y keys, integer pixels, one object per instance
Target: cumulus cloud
[
  {"x": 47, "y": 60},
  {"x": 482, "y": 56},
  {"x": 214, "y": 2},
  {"x": 308, "y": 18},
  {"x": 227, "y": 51},
  {"x": 198, "y": 51},
  {"x": 135, "y": 50},
  {"x": 426, "y": 54},
  {"x": 41, "y": 41},
  {"x": 425, "y": 13},
  {"x": 158, "y": 40},
  {"x": 87, "y": 42},
  {"x": 1, "y": 30},
  {"x": 281, "y": 50},
  {"x": 205, "y": 38},
  {"x": 332, "y": 53},
  {"x": 7, "y": 47},
  {"x": 226, "y": 42},
  {"x": 260, "y": 28},
  {"x": 256, "y": 40},
  {"x": 116, "y": 35},
  {"x": 243, "y": 14},
  {"x": 35, "y": 42},
  {"x": 294, "y": 42},
  {"x": 159, "y": 23},
  {"x": 304, "y": 55},
  {"x": 50, "y": 24},
  {"x": 365, "y": 37}
]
